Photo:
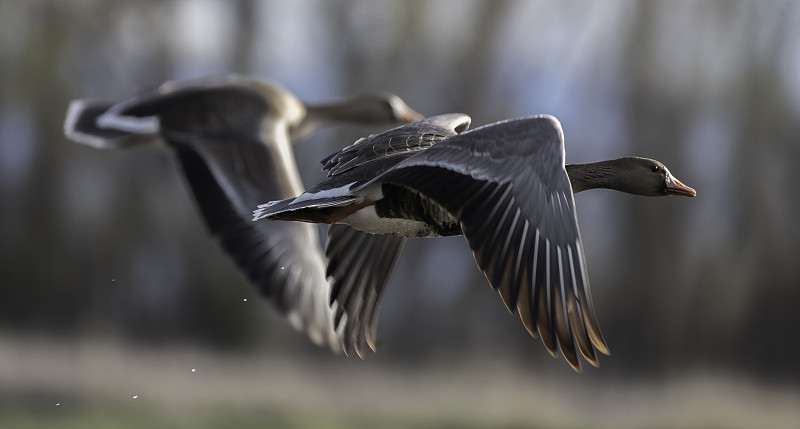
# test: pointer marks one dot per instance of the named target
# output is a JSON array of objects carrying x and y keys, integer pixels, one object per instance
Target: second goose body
[{"x": 232, "y": 136}]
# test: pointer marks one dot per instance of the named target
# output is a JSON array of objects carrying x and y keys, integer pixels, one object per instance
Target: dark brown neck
[
  {"x": 345, "y": 111},
  {"x": 332, "y": 112},
  {"x": 351, "y": 110},
  {"x": 591, "y": 176}
]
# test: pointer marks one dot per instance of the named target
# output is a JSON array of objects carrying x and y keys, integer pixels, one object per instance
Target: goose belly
[
  {"x": 399, "y": 211},
  {"x": 367, "y": 220}
]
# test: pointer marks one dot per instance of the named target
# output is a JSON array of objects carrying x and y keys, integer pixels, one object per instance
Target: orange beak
[{"x": 675, "y": 187}]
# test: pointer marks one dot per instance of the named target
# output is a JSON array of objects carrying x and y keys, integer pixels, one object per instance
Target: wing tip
[
  {"x": 601, "y": 346},
  {"x": 552, "y": 119}
]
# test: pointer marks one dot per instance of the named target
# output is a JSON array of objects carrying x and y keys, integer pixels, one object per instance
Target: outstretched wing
[
  {"x": 359, "y": 265},
  {"x": 283, "y": 260},
  {"x": 507, "y": 185}
]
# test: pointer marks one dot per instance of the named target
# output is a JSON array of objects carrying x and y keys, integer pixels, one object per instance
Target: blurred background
[{"x": 117, "y": 309}]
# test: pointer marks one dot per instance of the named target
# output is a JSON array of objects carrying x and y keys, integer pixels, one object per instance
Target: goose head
[
  {"x": 630, "y": 174},
  {"x": 645, "y": 176}
]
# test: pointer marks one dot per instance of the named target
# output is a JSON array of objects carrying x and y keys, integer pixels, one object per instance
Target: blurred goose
[
  {"x": 232, "y": 136},
  {"x": 505, "y": 187}
]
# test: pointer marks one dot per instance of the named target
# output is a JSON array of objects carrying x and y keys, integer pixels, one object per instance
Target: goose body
[
  {"x": 232, "y": 136},
  {"x": 505, "y": 187}
]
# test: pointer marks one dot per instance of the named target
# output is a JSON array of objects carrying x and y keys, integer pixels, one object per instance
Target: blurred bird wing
[
  {"x": 507, "y": 184},
  {"x": 231, "y": 163},
  {"x": 284, "y": 260}
]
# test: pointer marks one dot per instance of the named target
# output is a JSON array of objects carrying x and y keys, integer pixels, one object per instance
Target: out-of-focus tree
[{"x": 109, "y": 243}]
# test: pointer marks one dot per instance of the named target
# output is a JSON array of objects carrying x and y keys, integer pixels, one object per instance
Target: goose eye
[{"x": 655, "y": 168}]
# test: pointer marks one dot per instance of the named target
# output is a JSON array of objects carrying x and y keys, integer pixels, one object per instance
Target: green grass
[{"x": 115, "y": 416}]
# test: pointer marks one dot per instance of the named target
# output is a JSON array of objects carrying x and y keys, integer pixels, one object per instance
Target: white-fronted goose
[
  {"x": 232, "y": 136},
  {"x": 505, "y": 187}
]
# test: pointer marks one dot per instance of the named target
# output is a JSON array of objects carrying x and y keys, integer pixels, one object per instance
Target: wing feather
[
  {"x": 283, "y": 260},
  {"x": 396, "y": 143},
  {"x": 359, "y": 265},
  {"x": 519, "y": 222}
]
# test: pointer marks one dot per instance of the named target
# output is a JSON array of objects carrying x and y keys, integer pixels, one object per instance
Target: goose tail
[
  {"x": 97, "y": 124},
  {"x": 316, "y": 210}
]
